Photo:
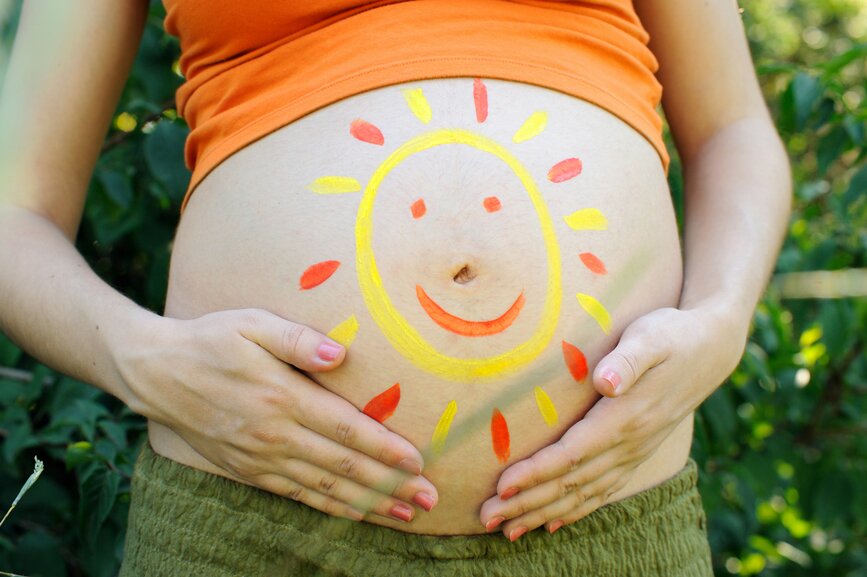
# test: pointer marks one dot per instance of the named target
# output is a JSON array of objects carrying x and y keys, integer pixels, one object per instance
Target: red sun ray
[
  {"x": 382, "y": 406},
  {"x": 492, "y": 204},
  {"x": 366, "y": 132},
  {"x": 575, "y": 361},
  {"x": 418, "y": 208},
  {"x": 500, "y": 436},
  {"x": 565, "y": 169},
  {"x": 592, "y": 262},
  {"x": 480, "y": 97},
  {"x": 318, "y": 273}
]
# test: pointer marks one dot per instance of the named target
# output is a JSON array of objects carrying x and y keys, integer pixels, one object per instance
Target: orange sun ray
[
  {"x": 564, "y": 170},
  {"x": 500, "y": 436},
  {"x": 383, "y": 405},
  {"x": 592, "y": 262},
  {"x": 575, "y": 361},
  {"x": 480, "y": 97},
  {"x": 318, "y": 273},
  {"x": 366, "y": 132}
]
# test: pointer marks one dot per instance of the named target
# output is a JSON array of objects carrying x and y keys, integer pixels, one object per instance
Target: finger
[
  {"x": 297, "y": 492},
  {"x": 341, "y": 489},
  {"x": 639, "y": 350},
  {"x": 343, "y": 423},
  {"x": 579, "y": 501},
  {"x": 331, "y": 456},
  {"x": 581, "y": 443},
  {"x": 293, "y": 343},
  {"x": 588, "y": 507},
  {"x": 546, "y": 493}
]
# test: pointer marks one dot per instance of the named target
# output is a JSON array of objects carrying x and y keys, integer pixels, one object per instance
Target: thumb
[
  {"x": 637, "y": 352},
  {"x": 293, "y": 343}
]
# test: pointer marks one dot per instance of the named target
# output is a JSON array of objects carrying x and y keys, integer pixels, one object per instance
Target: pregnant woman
[{"x": 421, "y": 239}]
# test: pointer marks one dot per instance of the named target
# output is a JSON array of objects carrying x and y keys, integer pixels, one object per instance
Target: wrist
[{"x": 131, "y": 345}]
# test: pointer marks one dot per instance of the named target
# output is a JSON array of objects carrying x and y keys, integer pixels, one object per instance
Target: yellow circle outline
[{"x": 395, "y": 327}]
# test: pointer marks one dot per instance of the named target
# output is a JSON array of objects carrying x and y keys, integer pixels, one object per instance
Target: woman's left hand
[{"x": 666, "y": 363}]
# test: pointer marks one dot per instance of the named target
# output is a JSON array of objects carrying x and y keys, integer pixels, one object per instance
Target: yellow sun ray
[
  {"x": 442, "y": 429},
  {"x": 533, "y": 126},
  {"x": 595, "y": 309},
  {"x": 546, "y": 407},
  {"x": 345, "y": 332},
  {"x": 334, "y": 185},
  {"x": 418, "y": 104},
  {"x": 587, "y": 219}
]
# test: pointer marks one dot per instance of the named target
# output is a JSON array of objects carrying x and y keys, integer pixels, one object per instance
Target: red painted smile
[{"x": 464, "y": 327}]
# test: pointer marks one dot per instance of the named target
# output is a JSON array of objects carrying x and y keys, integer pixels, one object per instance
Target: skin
[
  {"x": 232, "y": 373},
  {"x": 221, "y": 380},
  {"x": 738, "y": 198}
]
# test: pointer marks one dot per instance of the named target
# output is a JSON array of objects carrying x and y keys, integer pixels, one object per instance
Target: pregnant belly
[{"x": 477, "y": 246}]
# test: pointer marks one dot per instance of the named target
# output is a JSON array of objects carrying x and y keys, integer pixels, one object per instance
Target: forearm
[
  {"x": 57, "y": 308},
  {"x": 738, "y": 200}
]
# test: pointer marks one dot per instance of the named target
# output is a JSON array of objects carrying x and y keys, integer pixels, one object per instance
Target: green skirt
[{"x": 187, "y": 522}]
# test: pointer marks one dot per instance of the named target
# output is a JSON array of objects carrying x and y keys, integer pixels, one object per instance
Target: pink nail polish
[
  {"x": 494, "y": 523},
  {"x": 424, "y": 500},
  {"x": 328, "y": 352},
  {"x": 516, "y": 532},
  {"x": 555, "y": 525},
  {"x": 612, "y": 378},
  {"x": 401, "y": 512},
  {"x": 355, "y": 514},
  {"x": 509, "y": 493}
]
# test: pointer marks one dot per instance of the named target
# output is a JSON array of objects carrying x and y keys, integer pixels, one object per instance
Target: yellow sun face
[{"x": 401, "y": 334}]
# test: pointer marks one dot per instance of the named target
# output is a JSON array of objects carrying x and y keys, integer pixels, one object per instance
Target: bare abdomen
[{"x": 476, "y": 263}]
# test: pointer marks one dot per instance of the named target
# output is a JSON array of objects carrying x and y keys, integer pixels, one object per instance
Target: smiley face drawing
[{"x": 406, "y": 338}]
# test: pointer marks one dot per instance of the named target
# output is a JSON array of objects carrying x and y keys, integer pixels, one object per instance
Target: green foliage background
[{"x": 782, "y": 446}]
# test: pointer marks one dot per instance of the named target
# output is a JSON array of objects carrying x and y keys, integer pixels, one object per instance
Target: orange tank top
[{"x": 252, "y": 67}]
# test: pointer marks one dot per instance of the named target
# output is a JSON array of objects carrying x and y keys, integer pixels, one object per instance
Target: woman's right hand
[{"x": 225, "y": 383}]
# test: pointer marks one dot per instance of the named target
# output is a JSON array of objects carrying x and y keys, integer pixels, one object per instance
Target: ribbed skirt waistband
[{"x": 184, "y": 521}]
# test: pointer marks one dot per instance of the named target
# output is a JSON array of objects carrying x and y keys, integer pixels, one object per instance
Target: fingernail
[
  {"x": 410, "y": 466},
  {"x": 402, "y": 512},
  {"x": 555, "y": 525},
  {"x": 509, "y": 493},
  {"x": 328, "y": 351},
  {"x": 424, "y": 500},
  {"x": 612, "y": 378},
  {"x": 516, "y": 532},
  {"x": 355, "y": 514},
  {"x": 494, "y": 523}
]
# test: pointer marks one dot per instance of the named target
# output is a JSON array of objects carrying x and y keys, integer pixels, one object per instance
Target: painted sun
[{"x": 404, "y": 337}]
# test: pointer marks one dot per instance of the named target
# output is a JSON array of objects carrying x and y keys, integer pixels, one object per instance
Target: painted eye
[
  {"x": 418, "y": 208},
  {"x": 492, "y": 204}
]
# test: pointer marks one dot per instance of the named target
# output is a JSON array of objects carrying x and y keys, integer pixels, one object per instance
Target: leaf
[
  {"x": 833, "y": 66},
  {"x": 9, "y": 352},
  {"x": 117, "y": 187},
  {"x": 833, "y": 499},
  {"x": 83, "y": 414},
  {"x": 806, "y": 91},
  {"x": 831, "y": 146},
  {"x": 97, "y": 487},
  {"x": 164, "y": 154},
  {"x": 38, "y": 553},
  {"x": 114, "y": 431},
  {"x": 857, "y": 186},
  {"x": 78, "y": 453},
  {"x": 19, "y": 435},
  {"x": 718, "y": 412}
]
